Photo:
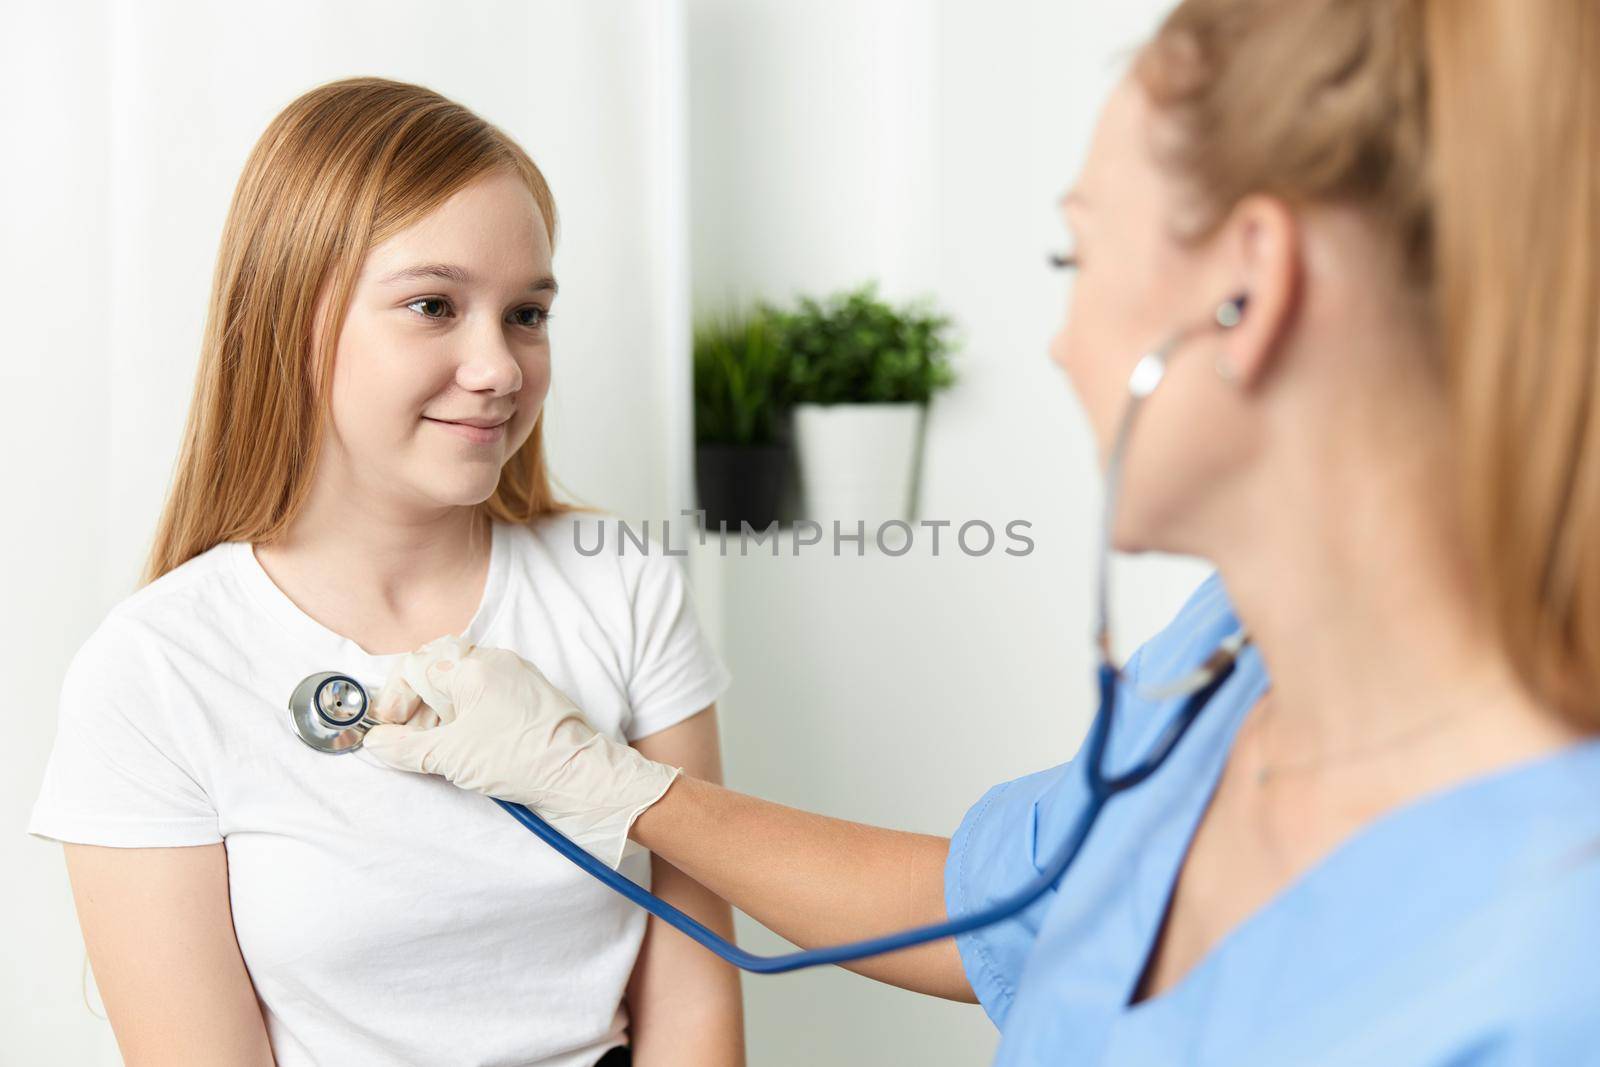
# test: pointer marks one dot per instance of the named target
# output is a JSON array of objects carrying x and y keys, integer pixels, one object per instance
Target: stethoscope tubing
[{"x": 1101, "y": 789}]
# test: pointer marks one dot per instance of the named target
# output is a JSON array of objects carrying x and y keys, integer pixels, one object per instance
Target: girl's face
[{"x": 443, "y": 361}]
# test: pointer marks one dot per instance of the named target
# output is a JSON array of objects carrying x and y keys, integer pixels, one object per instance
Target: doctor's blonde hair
[
  {"x": 341, "y": 169},
  {"x": 1470, "y": 131}
]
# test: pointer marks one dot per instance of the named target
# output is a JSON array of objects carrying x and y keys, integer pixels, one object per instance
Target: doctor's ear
[{"x": 1258, "y": 250}]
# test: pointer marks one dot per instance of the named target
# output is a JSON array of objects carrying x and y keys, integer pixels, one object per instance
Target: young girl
[{"x": 362, "y": 472}]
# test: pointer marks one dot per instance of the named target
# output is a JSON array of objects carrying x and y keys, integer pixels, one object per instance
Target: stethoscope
[{"x": 329, "y": 712}]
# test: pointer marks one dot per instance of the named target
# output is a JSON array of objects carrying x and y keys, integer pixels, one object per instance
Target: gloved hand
[{"x": 489, "y": 721}]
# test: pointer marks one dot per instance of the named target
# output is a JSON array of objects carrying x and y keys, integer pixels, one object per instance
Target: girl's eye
[
  {"x": 532, "y": 315},
  {"x": 430, "y": 307},
  {"x": 1064, "y": 260}
]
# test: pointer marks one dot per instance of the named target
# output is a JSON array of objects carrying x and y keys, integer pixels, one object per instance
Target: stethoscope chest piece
[{"x": 329, "y": 712}]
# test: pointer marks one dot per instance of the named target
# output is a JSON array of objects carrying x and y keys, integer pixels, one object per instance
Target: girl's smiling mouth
[{"x": 479, "y": 431}]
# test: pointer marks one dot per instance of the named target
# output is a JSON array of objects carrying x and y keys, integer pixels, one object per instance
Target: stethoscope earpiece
[{"x": 1230, "y": 311}]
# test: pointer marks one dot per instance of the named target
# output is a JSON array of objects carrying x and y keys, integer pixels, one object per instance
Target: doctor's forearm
[{"x": 812, "y": 879}]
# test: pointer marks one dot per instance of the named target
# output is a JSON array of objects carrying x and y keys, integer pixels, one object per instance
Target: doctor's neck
[{"x": 1342, "y": 554}]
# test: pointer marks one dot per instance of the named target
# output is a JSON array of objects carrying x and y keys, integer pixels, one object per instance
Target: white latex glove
[{"x": 489, "y": 721}]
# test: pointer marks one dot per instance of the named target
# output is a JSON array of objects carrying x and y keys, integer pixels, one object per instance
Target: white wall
[
  {"x": 127, "y": 126},
  {"x": 55, "y": 452}
]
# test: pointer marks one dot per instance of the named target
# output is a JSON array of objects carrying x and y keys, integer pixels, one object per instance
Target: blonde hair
[
  {"x": 1470, "y": 130},
  {"x": 339, "y": 170}
]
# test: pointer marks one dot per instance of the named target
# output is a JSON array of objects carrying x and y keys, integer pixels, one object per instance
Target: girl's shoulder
[{"x": 193, "y": 601}]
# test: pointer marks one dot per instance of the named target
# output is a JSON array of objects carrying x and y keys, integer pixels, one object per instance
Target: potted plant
[
  {"x": 861, "y": 374},
  {"x": 742, "y": 452}
]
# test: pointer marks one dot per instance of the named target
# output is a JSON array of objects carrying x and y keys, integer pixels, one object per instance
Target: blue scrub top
[{"x": 1462, "y": 928}]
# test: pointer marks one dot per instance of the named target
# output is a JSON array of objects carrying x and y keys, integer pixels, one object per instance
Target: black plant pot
[{"x": 742, "y": 483}]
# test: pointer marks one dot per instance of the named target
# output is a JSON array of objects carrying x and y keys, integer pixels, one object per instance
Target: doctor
[{"x": 1391, "y": 852}]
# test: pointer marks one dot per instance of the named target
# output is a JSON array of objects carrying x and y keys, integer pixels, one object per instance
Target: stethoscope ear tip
[{"x": 1230, "y": 311}]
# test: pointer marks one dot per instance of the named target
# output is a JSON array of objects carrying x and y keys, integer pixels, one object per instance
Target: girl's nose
[{"x": 488, "y": 363}]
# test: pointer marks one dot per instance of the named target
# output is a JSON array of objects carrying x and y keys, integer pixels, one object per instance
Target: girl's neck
[{"x": 380, "y": 572}]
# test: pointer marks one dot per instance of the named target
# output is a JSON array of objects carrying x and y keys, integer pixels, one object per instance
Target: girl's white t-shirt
[{"x": 385, "y": 917}]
